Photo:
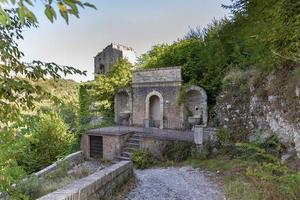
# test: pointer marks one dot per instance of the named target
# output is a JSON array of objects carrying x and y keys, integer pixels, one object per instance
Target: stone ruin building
[
  {"x": 152, "y": 101},
  {"x": 148, "y": 113},
  {"x": 110, "y": 55}
]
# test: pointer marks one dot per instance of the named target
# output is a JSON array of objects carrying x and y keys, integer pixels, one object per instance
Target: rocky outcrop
[{"x": 271, "y": 107}]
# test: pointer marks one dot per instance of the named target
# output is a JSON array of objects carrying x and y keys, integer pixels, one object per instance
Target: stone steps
[{"x": 130, "y": 146}]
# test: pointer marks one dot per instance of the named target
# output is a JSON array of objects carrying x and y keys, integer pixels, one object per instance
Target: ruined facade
[
  {"x": 152, "y": 101},
  {"x": 110, "y": 55}
]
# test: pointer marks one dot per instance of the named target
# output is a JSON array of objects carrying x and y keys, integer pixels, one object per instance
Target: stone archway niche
[
  {"x": 196, "y": 106},
  {"x": 123, "y": 107},
  {"x": 154, "y": 110}
]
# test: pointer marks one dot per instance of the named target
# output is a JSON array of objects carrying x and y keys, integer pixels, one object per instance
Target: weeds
[{"x": 142, "y": 158}]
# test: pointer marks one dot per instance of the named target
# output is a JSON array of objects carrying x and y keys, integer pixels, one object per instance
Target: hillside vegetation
[
  {"x": 249, "y": 65},
  {"x": 44, "y": 134}
]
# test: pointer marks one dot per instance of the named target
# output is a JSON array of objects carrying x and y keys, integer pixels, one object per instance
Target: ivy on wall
[{"x": 98, "y": 96}]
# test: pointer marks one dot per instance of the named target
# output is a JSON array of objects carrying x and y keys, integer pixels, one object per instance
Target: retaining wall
[
  {"x": 73, "y": 159},
  {"x": 96, "y": 186}
]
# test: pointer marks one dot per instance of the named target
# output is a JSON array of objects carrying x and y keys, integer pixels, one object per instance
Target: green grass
[
  {"x": 239, "y": 188},
  {"x": 219, "y": 163},
  {"x": 236, "y": 185},
  {"x": 266, "y": 181}
]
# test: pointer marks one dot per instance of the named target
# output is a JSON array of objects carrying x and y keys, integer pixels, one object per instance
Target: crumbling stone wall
[
  {"x": 262, "y": 109},
  {"x": 110, "y": 55}
]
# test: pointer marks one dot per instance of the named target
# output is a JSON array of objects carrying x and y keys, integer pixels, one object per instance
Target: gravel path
[{"x": 183, "y": 183}]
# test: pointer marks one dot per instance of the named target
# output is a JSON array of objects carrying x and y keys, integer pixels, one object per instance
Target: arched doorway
[{"x": 154, "y": 110}]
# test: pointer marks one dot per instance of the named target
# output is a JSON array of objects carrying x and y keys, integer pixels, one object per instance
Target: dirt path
[{"x": 183, "y": 183}]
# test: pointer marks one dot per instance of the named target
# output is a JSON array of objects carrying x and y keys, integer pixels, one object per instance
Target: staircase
[{"x": 131, "y": 144}]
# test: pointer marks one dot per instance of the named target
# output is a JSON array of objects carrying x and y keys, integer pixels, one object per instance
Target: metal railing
[{"x": 151, "y": 126}]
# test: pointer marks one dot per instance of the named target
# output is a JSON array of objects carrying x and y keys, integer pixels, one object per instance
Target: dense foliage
[
  {"x": 45, "y": 139},
  {"x": 23, "y": 9},
  {"x": 97, "y": 97},
  {"x": 18, "y": 91},
  {"x": 259, "y": 34}
]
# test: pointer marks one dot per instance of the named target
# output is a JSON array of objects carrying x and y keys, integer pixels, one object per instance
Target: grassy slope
[
  {"x": 66, "y": 90},
  {"x": 237, "y": 185}
]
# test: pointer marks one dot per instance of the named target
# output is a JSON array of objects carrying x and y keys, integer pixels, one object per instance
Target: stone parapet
[
  {"x": 96, "y": 186},
  {"x": 158, "y": 76},
  {"x": 73, "y": 159}
]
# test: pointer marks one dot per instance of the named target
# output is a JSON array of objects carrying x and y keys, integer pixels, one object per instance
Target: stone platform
[{"x": 156, "y": 133}]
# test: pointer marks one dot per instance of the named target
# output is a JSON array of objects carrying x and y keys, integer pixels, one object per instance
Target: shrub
[
  {"x": 61, "y": 171},
  {"x": 30, "y": 187},
  {"x": 142, "y": 158},
  {"x": 236, "y": 78},
  {"x": 274, "y": 146},
  {"x": 199, "y": 153},
  {"x": 45, "y": 140},
  {"x": 177, "y": 151},
  {"x": 225, "y": 138},
  {"x": 250, "y": 151}
]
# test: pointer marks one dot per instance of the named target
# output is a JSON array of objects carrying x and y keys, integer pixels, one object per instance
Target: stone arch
[
  {"x": 161, "y": 108},
  {"x": 197, "y": 102},
  {"x": 123, "y": 105}
]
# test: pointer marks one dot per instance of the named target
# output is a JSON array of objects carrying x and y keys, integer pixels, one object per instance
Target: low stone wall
[
  {"x": 73, "y": 159},
  {"x": 96, "y": 186},
  {"x": 205, "y": 135}
]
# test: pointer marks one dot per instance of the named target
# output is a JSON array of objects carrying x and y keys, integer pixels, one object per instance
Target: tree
[
  {"x": 99, "y": 94},
  {"x": 22, "y": 7},
  {"x": 17, "y": 92}
]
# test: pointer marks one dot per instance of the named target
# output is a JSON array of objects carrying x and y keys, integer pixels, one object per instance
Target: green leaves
[
  {"x": 90, "y": 5},
  {"x": 98, "y": 95},
  {"x": 4, "y": 17},
  {"x": 24, "y": 12},
  {"x": 50, "y": 13}
]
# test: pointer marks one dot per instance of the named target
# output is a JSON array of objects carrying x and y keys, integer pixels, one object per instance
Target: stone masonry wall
[
  {"x": 164, "y": 81},
  {"x": 112, "y": 145},
  {"x": 172, "y": 111},
  {"x": 157, "y": 75},
  {"x": 97, "y": 186}
]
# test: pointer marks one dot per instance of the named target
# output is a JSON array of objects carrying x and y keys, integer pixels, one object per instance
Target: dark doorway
[
  {"x": 154, "y": 111},
  {"x": 96, "y": 146}
]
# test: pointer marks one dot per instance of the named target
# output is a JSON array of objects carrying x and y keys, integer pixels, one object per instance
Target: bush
[
  {"x": 225, "y": 138},
  {"x": 177, "y": 151},
  {"x": 199, "y": 153},
  {"x": 250, "y": 151},
  {"x": 274, "y": 146},
  {"x": 44, "y": 142},
  {"x": 142, "y": 158}
]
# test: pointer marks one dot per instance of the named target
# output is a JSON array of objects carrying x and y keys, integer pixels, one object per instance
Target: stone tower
[{"x": 110, "y": 55}]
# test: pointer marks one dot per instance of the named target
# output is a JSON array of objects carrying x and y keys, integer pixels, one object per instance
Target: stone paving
[{"x": 183, "y": 183}]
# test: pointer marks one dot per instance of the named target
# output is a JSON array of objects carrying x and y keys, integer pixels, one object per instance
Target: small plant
[
  {"x": 60, "y": 172},
  {"x": 199, "y": 153},
  {"x": 177, "y": 151},
  {"x": 253, "y": 152},
  {"x": 225, "y": 138},
  {"x": 142, "y": 158},
  {"x": 29, "y": 187},
  {"x": 274, "y": 146}
]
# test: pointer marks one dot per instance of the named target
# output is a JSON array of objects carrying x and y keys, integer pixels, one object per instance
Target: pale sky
[{"x": 135, "y": 23}]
